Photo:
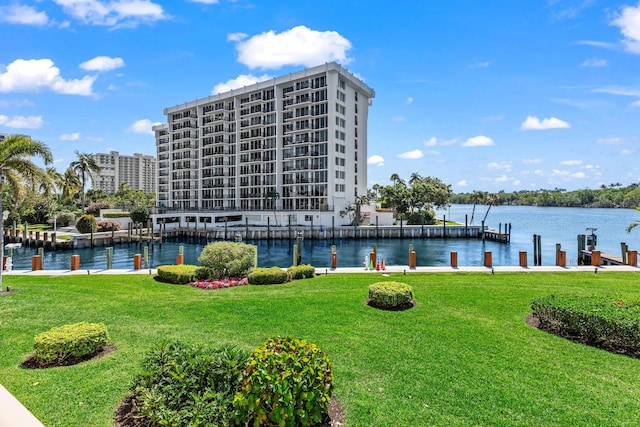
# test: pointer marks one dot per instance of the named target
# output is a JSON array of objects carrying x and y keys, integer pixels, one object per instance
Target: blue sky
[{"x": 485, "y": 95}]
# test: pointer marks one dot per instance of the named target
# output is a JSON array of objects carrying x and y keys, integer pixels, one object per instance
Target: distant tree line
[{"x": 611, "y": 196}]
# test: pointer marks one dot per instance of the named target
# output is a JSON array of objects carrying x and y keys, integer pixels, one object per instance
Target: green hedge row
[
  {"x": 70, "y": 341},
  {"x": 179, "y": 274},
  {"x": 604, "y": 321},
  {"x": 116, "y": 215},
  {"x": 267, "y": 276}
]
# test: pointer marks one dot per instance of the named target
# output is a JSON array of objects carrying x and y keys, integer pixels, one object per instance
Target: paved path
[{"x": 389, "y": 269}]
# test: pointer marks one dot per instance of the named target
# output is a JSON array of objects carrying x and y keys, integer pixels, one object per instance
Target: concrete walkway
[
  {"x": 389, "y": 269},
  {"x": 13, "y": 414}
]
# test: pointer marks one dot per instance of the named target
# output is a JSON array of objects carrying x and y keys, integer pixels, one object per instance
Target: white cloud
[
  {"x": 22, "y": 122},
  {"x": 433, "y": 141},
  {"x": 24, "y": 15},
  {"x": 571, "y": 162},
  {"x": 635, "y": 104},
  {"x": 142, "y": 126},
  {"x": 410, "y": 100},
  {"x": 411, "y": 155},
  {"x": 462, "y": 183},
  {"x": 507, "y": 166},
  {"x": 627, "y": 152},
  {"x": 70, "y": 136},
  {"x": 596, "y": 43},
  {"x": 239, "y": 82},
  {"x": 102, "y": 63},
  {"x": 297, "y": 46},
  {"x": 531, "y": 161},
  {"x": 628, "y": 20},
  {"x": 483, "y": 64},
  {"x": 538, "y": 172},
  {"x": 612, "y": 141},
  {"x": 594, "y": 63},
  {"x": 434, "y": 153},
  {"x": 34, "y": 75},
  {"x": 478, "y": 141},
  {"x": 120, "y": 13},
  {"x": 534, "y": 123},
  {"x": 502, "y": 178},
  {"x": 578, "y": 175},
  {"x": 619, "y": 90},
  {"x": 15, "y": 103},
  {"x": 236, "y": 37},
  {"x": 375, "y": 160}
]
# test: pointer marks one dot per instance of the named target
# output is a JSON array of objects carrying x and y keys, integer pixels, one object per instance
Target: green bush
[
  {"x": 139, "y": 215},
  {"x": 178, "y": 274},
  {"x": 108, "y": 225},
  {"x": 421, "y": 217},
  {"x": 116, "y": 215},
  {"x": 86, "y": 224},
  {"x": 62, "y": 219},
  {"x": 70, "y": 341},
  {"x": 267, "y": 276},
  {"x": 182, "y": 385},
  {"x": 603, "y": 321},
  {"x": 390, "y": 294},
  {"x": 228, "y": 259},
  {"x": 94, "y": 208},
  {"x": 301, "y": 272},
  {"x": 287, "y": 382}
]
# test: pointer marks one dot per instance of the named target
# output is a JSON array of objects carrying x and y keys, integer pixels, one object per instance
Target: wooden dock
[{"x": 586, "y": 258}]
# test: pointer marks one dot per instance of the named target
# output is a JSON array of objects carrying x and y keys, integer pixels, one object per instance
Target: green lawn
[{"x": 463, "y": 356}]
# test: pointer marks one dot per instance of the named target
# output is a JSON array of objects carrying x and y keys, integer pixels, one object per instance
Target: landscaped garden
[{"x": 462, "y": 355}]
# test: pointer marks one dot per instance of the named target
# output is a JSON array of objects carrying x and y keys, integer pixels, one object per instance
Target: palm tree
[
  {"x": 85, "y": 165},
  {"x": 273, "y": 196},
  {"x": 477, "y": 196},
  {"x": 491, "y": 199},
  {"x": 16, "y": 167},
  {"x": 633, "y": 224},
  {"x": 395, "y": 178},
  {"x": 70, "y": 184}
]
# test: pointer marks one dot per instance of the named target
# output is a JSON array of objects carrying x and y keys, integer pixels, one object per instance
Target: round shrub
[
  {"x": 70, "y": 342},
  {"x": 139, "y": 215},
  {"x": 302, "y": 272},
  {"x": 228, "y": 259},
  {"x": 268, "y": 276},
  {"x": 390, "y": 295},
  {"x": 183, "y": 385},
  {"x": 108, "y": 225},
  {"x": 86, "y": 224},
  {"x": 287, "y": 382},
  {"x": 62, "y": 219}
]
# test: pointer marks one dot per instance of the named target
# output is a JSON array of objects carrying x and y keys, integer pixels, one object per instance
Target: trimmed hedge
[
  {"x": 178, "y": 274},
  {"x": 69, "y": 341},
  {"x": 86, "y": 223},
  {"x": 116, "y": 215},
  {"x": 602, "y": 321},
  {"x": 390, "y": 294},
  {"x": 302, "y": 272},
  {"x": 287, "y": 382},
  {"x": 267, "y": 276}
]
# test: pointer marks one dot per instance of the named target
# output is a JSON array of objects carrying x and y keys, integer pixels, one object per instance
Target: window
[{"x": 341, "y": 84}]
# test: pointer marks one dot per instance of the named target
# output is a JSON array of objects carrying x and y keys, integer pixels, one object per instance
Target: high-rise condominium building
[
  {"x": 293, "y": 144},
  {"x": 139, "y": 171}
]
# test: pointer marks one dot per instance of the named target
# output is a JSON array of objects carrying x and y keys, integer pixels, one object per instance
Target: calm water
[{"x": 555, "y": 225}]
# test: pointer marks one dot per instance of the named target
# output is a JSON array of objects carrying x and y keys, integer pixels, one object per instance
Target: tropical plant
[
  {"x": 139, "y": 215},
  {"x": 69, "y": 184},
  {"x": 85, "y": 166},
  {"x": 476, "y": 197},
  {"x": 272, "y": 197},
  {"x": 633, "y": 224},
  {"x": 17, "y": 168},
  {"x": 490, "y": 200}
]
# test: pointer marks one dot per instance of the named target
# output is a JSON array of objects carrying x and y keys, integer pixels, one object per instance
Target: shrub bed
[
  {"x": 178, "y": 274},
  {"x": 606, "y": 322},
  {"x": 391, "y": 295},
  {"x": 267, "y": 276},
  {"x": 287, "y": 382},
  {"x": 60, "y": 345},
  {"x": 301, "y": 272},
  {"x": 184, "y": 385},
  {"x": 108, "y": 225}
]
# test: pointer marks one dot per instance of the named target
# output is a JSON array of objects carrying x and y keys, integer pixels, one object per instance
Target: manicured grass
[{"x": 463, "y": 356}]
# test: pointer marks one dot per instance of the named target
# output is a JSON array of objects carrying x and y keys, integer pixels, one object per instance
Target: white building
[
  {"x": 302, "y": 136},
  {"x": 139, "y": 171}
]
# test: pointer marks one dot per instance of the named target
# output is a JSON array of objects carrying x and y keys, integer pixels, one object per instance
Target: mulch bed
[
  {"x": 127, "y": 410},
  {"x": 558, "y": 329},
  {"x": 33, "y": 362},
  {"x": 400, "y": 307},
  {"x": 12, "y": 291}
]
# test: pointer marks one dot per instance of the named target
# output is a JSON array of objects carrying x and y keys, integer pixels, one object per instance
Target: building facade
[
  {"x": 139, "y": 171},
  {"x": 293, "y": 144}
]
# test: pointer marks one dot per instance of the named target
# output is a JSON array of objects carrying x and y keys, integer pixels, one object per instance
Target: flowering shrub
[{"x": 219, "y": 283}]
